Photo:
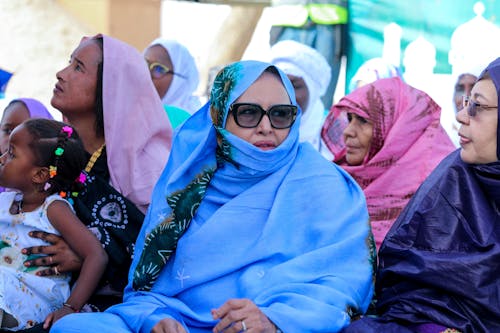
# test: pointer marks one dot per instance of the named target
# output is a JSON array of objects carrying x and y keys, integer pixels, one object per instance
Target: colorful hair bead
[
  {"x": 68, "y": 130},
  {"x": 59, "y": 151},
  {"x": 81, "y": 178}
]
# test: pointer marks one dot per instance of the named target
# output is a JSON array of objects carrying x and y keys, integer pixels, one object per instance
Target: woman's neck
[{"x": 85, "y": 127}]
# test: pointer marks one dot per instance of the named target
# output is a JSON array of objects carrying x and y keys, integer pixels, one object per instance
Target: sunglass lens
[
  {"x": 248, "y": 115},
  {"x": 157, "y": 71},
  {"x": 282, "y": 116},
  {"x": 472, "y": 109}
]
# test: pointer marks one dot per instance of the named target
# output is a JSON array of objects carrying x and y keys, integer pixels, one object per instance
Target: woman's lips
[
  {"x": 265, "y": 145},
  {"x": 463, "y": 140},
  {"x": 57, "y": 88},
  {"x": 351, "y": 147}
]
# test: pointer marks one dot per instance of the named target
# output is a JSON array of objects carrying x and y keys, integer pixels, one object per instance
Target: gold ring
[{"x": 56, "y": 271}]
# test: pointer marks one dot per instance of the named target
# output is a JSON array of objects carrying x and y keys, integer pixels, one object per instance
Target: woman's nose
[
  {"x": 349, "y": 130},
  {"x": 60, "y": 74},
  {"x": 265, "y": 124},
  {"x": 462, "y": 116}
]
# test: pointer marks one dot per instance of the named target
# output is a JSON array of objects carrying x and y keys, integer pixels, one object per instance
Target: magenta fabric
[
  {"x": 137, "y": 131},
  {"x": 408, "y": 143}
]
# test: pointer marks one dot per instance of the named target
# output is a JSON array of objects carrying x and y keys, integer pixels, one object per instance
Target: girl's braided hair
[{"x": 58, "y": 147}]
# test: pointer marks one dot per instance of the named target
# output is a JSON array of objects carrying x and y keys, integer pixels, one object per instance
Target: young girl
[
  {"x": 43, "y": 162},
  {"x": 16, "y": 112}
]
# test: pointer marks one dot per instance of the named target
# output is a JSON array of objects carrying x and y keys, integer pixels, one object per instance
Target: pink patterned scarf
[{"x": 407, "y": 144}]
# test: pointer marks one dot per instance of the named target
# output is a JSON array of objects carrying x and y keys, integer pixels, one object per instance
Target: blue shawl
[{"x": 284, "y": 228}]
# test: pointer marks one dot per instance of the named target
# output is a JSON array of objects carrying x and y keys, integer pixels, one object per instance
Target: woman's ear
[{"x": 41, "y": 175}]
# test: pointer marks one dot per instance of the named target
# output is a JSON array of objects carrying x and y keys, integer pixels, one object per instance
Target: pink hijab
[
  {"x": 137, "y": 131},
  {"x": 407, "y": 144}
]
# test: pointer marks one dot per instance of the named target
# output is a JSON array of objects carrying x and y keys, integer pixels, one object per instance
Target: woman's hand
[
  {"x": 241, "y": 315},
  {"x": 59, "y": 255},
  {"x": 168, "y": 325},
  {"x": 55, "y": 316}
]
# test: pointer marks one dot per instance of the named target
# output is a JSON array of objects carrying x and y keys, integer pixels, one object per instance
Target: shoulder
[
  {"x": 441, "y": 198},
  {"x": 314, "y": 176},
  {"x": 55, "y": 200},
  {"x": 311, "y": 165},
  {"x": 7, "y": 196}
]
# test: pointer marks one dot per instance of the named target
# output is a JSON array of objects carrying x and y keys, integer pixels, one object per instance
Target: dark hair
[
  {"x": 47, "y": 136},
  {"x": 99, "y": 108}
]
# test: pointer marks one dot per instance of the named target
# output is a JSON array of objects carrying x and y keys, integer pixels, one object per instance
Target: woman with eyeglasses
[
  {"x": 388, "y": 136},
  {"x": 175, "y": 76},
  {"x": 230, "y": 244},
  {"x": 439, "y": 264},
  {"x": 106, "y": 94}
]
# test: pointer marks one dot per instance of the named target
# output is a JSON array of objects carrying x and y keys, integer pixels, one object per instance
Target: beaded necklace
[{"x": 93, "y": 158}]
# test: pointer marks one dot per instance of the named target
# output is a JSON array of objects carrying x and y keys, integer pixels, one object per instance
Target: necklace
[
  {"x": 93, "y": 158},
  {"x": 19, "y": 199}
]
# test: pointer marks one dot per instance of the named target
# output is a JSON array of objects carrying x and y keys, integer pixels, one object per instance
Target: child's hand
[{"x": 55, "y": 316}]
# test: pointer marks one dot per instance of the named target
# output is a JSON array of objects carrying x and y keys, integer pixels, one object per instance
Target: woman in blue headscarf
[
  {"x": 248, "y": 229},
  {"x": 439, "y": 264}
]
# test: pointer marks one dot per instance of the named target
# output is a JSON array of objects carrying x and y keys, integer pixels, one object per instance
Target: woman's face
[
  {"x": 13, "y": 115},
  {"x": 478, "y": 134},
  {"x": 157, "y": 53},
  {"x": 357, "y": 137},
  {"x": 301, "y": 91},
  {"x": 266, "y": 91},
  {"x": 75, "y": 90},
  {"x": 463, "y": 87}
]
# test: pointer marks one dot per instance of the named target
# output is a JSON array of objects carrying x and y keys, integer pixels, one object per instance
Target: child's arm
[{"x": 87, "y": 246}]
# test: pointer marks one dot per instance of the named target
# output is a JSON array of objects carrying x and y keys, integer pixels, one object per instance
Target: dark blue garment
[
  {"x": 440, "y": 261},
  {"x": 375, "y": 325}
]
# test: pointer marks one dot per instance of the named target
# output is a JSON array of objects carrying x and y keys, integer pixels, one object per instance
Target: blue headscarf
[
  {"x": 195, "y": 157},
  {"x": 285, "y": 228},
  {"x": 493, "y": 70}
]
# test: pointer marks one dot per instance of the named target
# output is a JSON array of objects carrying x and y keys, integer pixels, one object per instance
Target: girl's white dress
[{"x": 26, "y": 296}]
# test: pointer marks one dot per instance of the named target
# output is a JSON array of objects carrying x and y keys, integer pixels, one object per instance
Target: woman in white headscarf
[
  {"x": 310, "y": 75},
  {"x": 174, "y": 73}
]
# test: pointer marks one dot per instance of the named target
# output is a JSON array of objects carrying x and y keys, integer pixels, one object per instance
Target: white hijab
[
  {"x": 180, "y": 92},
  {"x": 300, "y": 60}
]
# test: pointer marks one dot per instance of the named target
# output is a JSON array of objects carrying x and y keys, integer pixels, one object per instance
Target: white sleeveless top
[{"x": 26, "y": 296}]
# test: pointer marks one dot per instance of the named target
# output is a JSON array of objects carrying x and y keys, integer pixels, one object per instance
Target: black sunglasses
[
  {"x": 249, "y": 115},
  {"x": 472, "y": 107}
]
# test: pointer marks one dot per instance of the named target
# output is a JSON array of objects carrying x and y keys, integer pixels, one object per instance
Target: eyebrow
[
  {"x": 80, "y": 63},
  {"x": 477, "y": 95}
]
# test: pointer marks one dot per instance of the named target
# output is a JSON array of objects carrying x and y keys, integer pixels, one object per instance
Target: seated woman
[
  {"x": 439, "y": 262},
  {"x": 230, "y": 242},
  {"x": 106, "y": 93},
  {"x": 175, "y": 76},
  {"x": 387, "y": 135}
]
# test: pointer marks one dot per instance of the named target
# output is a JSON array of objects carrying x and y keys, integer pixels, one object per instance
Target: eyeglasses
[
  {"x": 249, "y": 115},
  {"x": 473, "y": 107},
  {"x": 158, "y": 70}
]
